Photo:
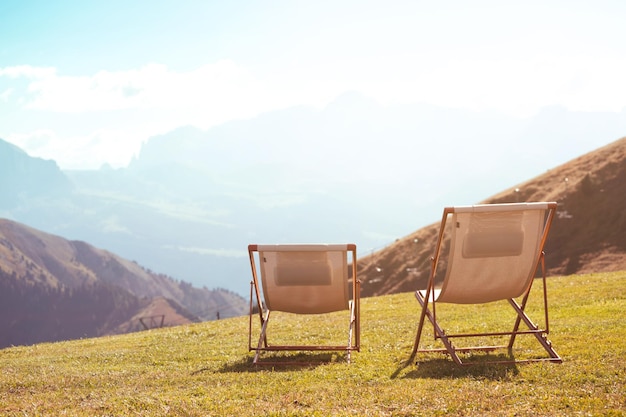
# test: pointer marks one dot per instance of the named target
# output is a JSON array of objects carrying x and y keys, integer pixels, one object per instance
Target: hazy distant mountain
[
  {"x": 355, "y": 171},
  {"x": 55, "y": 289},
  {"x": 22, "y": 177},
  {"x": 588, "y": 234}
]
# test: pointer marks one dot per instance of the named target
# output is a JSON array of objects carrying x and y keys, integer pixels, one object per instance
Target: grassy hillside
[
  {"x": 204, "y": 369},
  {"x": 588, "y": 234}
]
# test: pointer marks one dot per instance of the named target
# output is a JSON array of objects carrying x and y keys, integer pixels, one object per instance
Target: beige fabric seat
[
  {"x": 303, "y": 279},
  {"x": 490, "y": 253}
]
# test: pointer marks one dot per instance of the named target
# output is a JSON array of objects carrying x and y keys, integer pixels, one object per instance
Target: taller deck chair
[
  {"x": 493, "y": 253},
  {"x": 303, "y": 279}
]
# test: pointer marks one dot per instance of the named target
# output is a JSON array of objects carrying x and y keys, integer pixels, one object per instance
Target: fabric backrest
[
  {"x": 493, "y": 252},
  {"x": 304, "y": 279}
]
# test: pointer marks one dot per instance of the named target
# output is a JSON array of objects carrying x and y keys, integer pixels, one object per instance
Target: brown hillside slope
[
  {"x": 45, "y": 259},
  {"x": 53, "y": 289},
  {"x": 588, "y": 235},
  {"x": 49, "y": 259}
]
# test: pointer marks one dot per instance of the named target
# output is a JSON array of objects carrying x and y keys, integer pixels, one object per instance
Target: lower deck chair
[
  {"x": 492, "y": 253},
  {"x": 303, "y": 279}
]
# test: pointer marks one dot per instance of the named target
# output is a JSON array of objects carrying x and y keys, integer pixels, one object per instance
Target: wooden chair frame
[
  {"x": 427, "y": 298},
  {"x": 264, "y": 313}
]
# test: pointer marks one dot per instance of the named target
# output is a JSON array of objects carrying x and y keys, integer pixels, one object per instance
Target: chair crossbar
[
  {"x": 464, "y": 349},
  {"x": 491, "y": 334},
  {"x": 305, "y": 348}
]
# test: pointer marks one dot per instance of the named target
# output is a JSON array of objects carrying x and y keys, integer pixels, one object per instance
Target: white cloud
[
  {"x": 39, "y": 139},
  {"x": 111, "y": 113},
  {"x": 4, "y": 96},
  {"x": 28, "y": 71},
  {"x": 519, "y": 86},
  {"x": 108, "y": 114},
  {"x": 79, "y": 151},
  {"x": 210, "y": 94},
  {"x": 215, "y": 93}
]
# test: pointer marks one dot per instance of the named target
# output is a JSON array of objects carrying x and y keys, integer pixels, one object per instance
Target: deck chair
[
  {"x": 488, "y": 253},
  {"x": 303, "y": 279}
]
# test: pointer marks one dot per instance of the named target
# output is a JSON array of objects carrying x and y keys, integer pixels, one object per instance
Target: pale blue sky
[{"x": 86, "y": 82}]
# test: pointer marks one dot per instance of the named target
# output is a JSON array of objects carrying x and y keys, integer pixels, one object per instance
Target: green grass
[{"x": 205, "y": 369}]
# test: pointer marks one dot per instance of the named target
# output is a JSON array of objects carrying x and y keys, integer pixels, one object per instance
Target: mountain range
[
  {"x": 355, "y": 171},
  {"x": 177, "y": 220}
]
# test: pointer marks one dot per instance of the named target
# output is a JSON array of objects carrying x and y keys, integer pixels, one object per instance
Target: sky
[{"x": 87, "y": 82}]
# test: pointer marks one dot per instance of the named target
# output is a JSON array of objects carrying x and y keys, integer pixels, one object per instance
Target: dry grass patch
[{"x": 205, "y": 369}]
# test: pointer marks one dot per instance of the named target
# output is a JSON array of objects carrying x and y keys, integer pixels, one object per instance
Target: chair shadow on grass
[
  {"x": 283, "y": 362},
  {"x": 479, "y": 366}
]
